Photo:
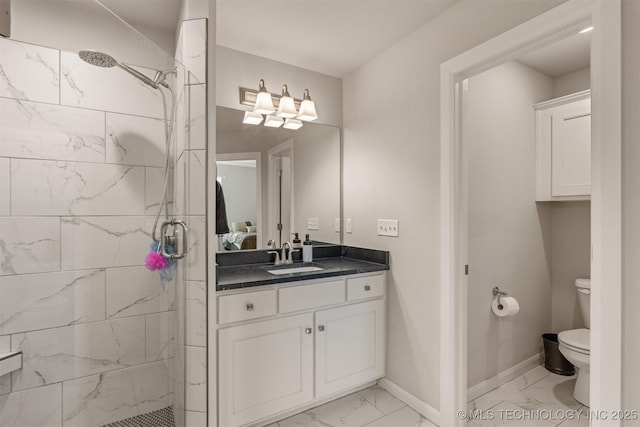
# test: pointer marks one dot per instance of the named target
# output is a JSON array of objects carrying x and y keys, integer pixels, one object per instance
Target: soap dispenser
[
  {"x": 297, "y": 243},
  {"x": 307, "y": 250}
]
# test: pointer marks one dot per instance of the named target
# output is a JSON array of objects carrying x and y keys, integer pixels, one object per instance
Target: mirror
[{"x": 277, "y": 182}]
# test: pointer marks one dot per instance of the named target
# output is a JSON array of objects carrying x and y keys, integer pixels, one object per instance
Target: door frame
[
  {"x": 606, "y": 202},
  {"x": 284, "y": 149}
]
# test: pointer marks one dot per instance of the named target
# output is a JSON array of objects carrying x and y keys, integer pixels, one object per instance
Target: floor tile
[
  {"x": 508, "y": 414},
  {"x": 553, "y": 392},
  {"x": 579, "y": 418},
  {"x": 404, "y": 417},
  {"x": 352, "y": 410},
  {"x": 527, "y": 379},
  {"x": 381, "y": 399}
]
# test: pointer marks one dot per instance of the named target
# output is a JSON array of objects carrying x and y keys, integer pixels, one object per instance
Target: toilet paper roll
[{"x": 508, "y": 306}]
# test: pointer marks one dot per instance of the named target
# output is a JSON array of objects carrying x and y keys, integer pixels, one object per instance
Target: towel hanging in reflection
[{"x": 222, "y": 225}]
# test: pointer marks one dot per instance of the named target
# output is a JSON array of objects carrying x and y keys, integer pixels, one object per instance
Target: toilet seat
[{"x": 577, "y": 340}]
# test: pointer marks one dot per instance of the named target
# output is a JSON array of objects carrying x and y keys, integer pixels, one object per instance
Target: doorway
[{"x": 605, "y": 212}]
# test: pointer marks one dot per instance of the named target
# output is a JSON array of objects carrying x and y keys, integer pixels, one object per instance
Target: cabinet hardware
[
  {"x": 367, "y": 287},
  {"x": 250, "y": 306},
  {"x": 307, "y": 331},
  {"x": 321, "y": 328}
]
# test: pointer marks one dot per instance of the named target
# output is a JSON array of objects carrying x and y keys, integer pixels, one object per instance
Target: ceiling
[
  {"x": 332, "y": 37},
  {"x": 562, "y": 57},
  {"x": 157, "y": 15}
]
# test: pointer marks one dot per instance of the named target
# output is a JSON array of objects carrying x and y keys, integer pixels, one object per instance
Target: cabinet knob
[
  {"x": 250, "y": 306},
  {"x": 308, "y": 331},
  {"x": 321, "y": 328},
  {"x": 367, "y": 287}
]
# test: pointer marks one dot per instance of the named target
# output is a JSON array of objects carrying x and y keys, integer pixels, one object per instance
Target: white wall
[
  {"x": 630, "y": 207},
  {"x": 392, "y": 170},
  {"x": 76, "y": 25},
  {"x": 508, "y": 232},
  {"x": 570, "y": 259},
  {"x": 573, "y": 82},
  {"x": 236, "y": 69},
  {"x": 239, "y": 186}
]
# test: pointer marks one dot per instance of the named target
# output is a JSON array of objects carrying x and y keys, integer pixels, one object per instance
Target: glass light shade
[
  {"x": 273, "y": 121},
  {"x": 292, "y": 124},
  {"x": 251, "y": 118},
  {"x": 307, "y": 108},
  {"x": 287, "y": 108},
  {"x": 307, "y": 111},
  {"x": 264, "y": 103}
]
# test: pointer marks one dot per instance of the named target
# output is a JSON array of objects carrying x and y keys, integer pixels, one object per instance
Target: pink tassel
[{"x": 155, "y": 261}]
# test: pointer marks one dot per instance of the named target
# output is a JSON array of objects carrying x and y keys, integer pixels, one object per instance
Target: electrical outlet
[
  {"x": 336, "y": 225},
  {"x": 348, "y": 226},
  {"x": 388, "y": 227},
  {"x": 312, "y": 224}
]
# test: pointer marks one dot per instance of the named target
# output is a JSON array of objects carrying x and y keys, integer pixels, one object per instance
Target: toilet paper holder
[{"x": 498, "y": 293}]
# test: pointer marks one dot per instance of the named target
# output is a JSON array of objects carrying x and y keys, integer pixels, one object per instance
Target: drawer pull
[
  {"x": 367, "y": 287},
  {"x": 321, "y": 328},
  {"x": 308, "y": 331},
  {"x": 250, "y": 306}
]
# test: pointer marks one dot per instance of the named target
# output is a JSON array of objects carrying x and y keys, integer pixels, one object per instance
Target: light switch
[
  {"x": 388, "y": 227},
  {"x": 312, "y": 224},
  {"x": 336, "y": 225},
  {"x": 348, "y": 226}
]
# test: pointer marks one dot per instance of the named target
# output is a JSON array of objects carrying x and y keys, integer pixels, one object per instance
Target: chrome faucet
[
  {"x": 283, "y": 252},
  {"x": 277, "y": 260}
]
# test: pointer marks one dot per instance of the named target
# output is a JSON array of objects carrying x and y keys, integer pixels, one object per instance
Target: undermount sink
[{"x": 304, "y": 269}]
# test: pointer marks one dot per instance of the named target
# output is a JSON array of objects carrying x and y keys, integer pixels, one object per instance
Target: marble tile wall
[
  {"x": 190, "y": 397},
  {"x": 82, "y": 155}
]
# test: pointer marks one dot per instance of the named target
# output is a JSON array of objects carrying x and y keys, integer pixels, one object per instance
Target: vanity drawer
[
  {"x": 304, "y": 297},
  {"x": 246, "y": 306},
  {"x": 365, "y": 287}
]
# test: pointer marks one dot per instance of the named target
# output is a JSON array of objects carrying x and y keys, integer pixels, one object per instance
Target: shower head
[{"x": 100, "y": 59}]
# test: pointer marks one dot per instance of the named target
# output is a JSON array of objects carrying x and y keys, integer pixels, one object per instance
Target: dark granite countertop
[{"x": 334, "y": 260}]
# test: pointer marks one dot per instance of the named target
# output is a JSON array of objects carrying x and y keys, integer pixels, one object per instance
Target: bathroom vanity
[{"x": 287, "y": 342}]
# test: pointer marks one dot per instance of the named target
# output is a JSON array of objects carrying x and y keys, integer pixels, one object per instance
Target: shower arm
[{"x": 141, "y": 76}]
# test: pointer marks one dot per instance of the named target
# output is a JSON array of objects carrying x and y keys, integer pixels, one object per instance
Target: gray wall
[
  {"x": 239, "y": 186},
  {"x": 509, "y": 232},
  {"x": 392, "y": 170}
]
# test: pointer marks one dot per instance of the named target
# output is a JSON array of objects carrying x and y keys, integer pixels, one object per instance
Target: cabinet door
[
  {"x": 571, "y": 150},
  {"x": 266, "y": 367},
  {"x": 349, "y": 346}
]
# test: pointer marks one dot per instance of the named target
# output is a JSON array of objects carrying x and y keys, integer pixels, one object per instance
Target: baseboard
[
  {"x": 426, "y": 410},
  {"x": 504, "y": 377}
]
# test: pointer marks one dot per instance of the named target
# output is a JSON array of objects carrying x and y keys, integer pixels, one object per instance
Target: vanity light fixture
[
  {"x": 292, "y": 124},
  {"x": 273, "y": 121},
  {"x": 264, "y": 101},
  {"x": 286, "y": 106},
  {"x": 307, "y": 108},
  {"x": 251, "y": 118}
]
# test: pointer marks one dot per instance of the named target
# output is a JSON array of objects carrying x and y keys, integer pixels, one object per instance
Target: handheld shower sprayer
[{"x": 100, "y": 59}]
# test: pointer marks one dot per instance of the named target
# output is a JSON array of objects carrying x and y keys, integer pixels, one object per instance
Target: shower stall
[{"x": 102, "y": 157}]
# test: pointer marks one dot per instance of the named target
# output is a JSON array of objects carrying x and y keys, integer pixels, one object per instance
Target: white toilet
[{"x": 575, "y": 344}]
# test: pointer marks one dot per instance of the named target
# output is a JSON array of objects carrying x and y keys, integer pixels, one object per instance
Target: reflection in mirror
[{"x": 296, "y": 180}]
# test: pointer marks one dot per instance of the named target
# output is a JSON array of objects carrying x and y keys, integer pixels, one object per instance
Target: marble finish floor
[
  {"x": 537, "y": 398},
  {"x": 371, "y": 407}
]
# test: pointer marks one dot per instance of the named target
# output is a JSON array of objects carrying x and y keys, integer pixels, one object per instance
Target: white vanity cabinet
[
  {"x": 563, "y": 148},
  {"x": 326, "y": 338}
]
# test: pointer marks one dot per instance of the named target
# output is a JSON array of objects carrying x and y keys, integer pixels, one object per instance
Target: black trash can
[{"x": 554, "y": 361}]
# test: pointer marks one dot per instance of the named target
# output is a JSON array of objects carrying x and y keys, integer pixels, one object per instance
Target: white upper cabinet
[{"x": 563, "y": 148}]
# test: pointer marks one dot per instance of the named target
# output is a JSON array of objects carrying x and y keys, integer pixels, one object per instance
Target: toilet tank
[{"x": 583, "y": 286}]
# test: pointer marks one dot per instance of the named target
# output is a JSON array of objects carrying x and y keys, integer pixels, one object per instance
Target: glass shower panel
[{"x": 83, "y": 152}]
